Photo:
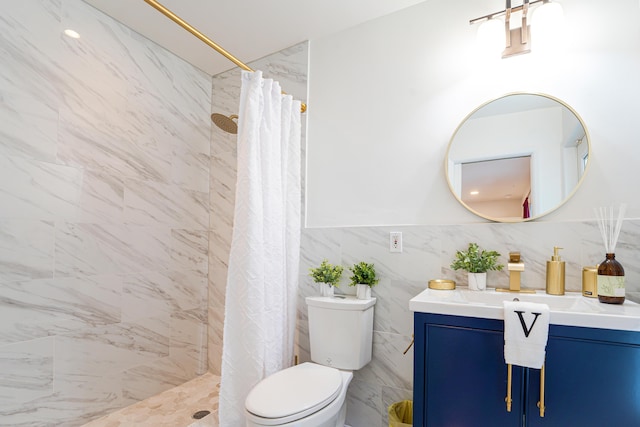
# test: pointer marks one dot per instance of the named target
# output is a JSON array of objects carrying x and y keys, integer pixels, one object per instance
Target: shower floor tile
[{"x": 171, "y": 408}]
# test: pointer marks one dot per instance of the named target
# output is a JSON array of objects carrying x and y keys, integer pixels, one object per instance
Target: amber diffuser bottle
[{"x": 611, "y": 281}]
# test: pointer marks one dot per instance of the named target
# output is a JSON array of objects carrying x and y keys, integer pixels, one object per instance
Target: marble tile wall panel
[
  {"x": 428, "y": 252},
  {"x": 113, "y": 348},
  {"x": 101, "y": 198},
  {"x": 371, "y": 244},
  {"x": 535, "y": 240},
  {"x": 215, "y": 317},
  {"x": 215, "y": 333},
  {"x": 189, "y": 249},
  {"x": 38, "y": 190},
  {"x": 363, "y": 404},
  {"x": 114, "y": 149},
  {"x": 74, "y": 402},
  {"x": 144, "y": 381},
  {"x": 27, "y": 371},
  {"x": 148, "y": 289},
  {"x": 151, "y": 203},
  {"x": 220, "y": 246},
  {"x": 189, "y": 292},
  {"x": 28, "y": 126},
  {"x": 106, "y": 249},
  {"x": 188, "y": 341},
  {"x": 46, "y": 307},
  {"x": 217, "y": 286},
  {"x": 190, "y": 170},
  {"x": 104, "y": 216},
  {"x": 157, "y": 76},
  {"x": 316, "y": 245},
  {"x": 389, "y": 366},
  {"x": 26, "y": 250},
  {"x": 29, "y": 43}
]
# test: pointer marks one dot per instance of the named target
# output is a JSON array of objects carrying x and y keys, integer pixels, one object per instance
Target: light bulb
[
  {"x": 547, "y": 26},
  {"x": 490, "y": 38}
]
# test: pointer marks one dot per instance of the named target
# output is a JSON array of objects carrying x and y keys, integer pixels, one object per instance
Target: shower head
[{"x": 225, "y": 123}]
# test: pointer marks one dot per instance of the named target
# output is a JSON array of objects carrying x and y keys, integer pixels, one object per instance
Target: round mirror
[{"x": 518, "y": 157}]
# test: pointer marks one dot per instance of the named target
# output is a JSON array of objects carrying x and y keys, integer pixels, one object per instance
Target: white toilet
[{"x": 314, "y": 394}]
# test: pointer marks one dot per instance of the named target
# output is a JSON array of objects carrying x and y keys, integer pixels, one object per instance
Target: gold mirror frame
[{"x": 545, "y": 212}]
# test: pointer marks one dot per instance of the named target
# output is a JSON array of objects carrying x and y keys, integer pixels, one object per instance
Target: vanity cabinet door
[
  {"x": 592, "y": 379},
  {"x": 460, "y": 375}
]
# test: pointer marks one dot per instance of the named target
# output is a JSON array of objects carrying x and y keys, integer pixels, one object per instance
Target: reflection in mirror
[
  {"x": 518, "y": 157},
  {"x": 498, "y": 188}
]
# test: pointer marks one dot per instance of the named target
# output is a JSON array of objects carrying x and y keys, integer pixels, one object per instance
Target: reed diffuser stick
[{"x": 610, "y": 226}]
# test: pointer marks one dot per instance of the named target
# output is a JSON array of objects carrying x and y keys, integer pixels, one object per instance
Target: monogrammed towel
[{"x": 526, "y": 330}]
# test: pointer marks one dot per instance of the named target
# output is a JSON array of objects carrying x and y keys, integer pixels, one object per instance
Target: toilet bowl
[
  {"x": 313, "y": 394},
  {"x": 306, "y": 395}
]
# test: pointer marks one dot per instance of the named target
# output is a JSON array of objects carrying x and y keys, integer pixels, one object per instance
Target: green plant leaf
[
  {"x": 326, "y": 273},
  {"x": 363, "y": 274},
  {"x": 476, "y": 260}
]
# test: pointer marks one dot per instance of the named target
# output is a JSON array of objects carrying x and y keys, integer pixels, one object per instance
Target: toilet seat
[{"x": 293, "y": 393}]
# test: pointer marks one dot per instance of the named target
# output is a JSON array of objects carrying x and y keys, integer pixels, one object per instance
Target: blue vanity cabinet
[
  {"x": 460, "y": 379},
  {"x": 592, "y": 377}
]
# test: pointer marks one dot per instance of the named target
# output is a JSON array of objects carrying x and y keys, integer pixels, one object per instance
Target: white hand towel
[{"x": 526, "y": 330}]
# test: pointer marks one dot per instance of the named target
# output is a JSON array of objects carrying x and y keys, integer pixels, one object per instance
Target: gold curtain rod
[
  {"x": 504, "y": 12},
  {"x": 175, "y": 18}
]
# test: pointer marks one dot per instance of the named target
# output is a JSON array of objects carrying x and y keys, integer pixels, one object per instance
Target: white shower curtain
[{"x": 260, "y": 306}]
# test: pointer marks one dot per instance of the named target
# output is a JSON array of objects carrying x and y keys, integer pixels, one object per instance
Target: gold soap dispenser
[{"x": 555, "y": 274}]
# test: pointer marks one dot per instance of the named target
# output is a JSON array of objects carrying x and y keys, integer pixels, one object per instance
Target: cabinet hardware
[
  {"x": 410, "y": 344},
  {"x": 509, "y": 376},
  {"x": 541, "y": 402}
]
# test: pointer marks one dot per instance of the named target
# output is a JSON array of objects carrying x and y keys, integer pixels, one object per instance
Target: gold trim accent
[
  {"x": 508, "y": 399},
  {"x": 541, "y": 402},
  {"x": 442, "y": 284},
  {"x": 175, "y": 18},
  {"x": 413, "y": 339},
  {"x": 502, "y": 12},
  {"x": 566, "y": 199},
  {"x": 519, "y": 291},
  {"x": 589, "y": 281}
]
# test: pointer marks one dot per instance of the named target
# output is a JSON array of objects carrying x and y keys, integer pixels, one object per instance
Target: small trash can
[{"x": 401, "y": 414}]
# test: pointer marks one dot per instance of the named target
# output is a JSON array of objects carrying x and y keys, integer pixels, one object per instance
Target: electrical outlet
[{"x": 395, "y": 241}]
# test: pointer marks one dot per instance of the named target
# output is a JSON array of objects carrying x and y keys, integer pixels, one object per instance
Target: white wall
[{"x": 385, "y": 98}]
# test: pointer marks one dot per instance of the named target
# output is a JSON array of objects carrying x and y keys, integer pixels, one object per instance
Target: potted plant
[
  {"x": 363, "y": 278},
  {"x": 327, "y": 276},
  {"x": 476, "y": 262}
]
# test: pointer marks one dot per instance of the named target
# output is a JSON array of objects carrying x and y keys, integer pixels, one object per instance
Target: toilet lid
[{"x": 300, "y": 390}]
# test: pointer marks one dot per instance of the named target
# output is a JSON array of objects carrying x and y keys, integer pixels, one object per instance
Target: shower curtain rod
[{"x": 175, "y": 18}]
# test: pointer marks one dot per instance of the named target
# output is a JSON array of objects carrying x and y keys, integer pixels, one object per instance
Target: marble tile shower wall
[
  {"x": 104, "y": 194},
  {"x": 428, "y": 251}
]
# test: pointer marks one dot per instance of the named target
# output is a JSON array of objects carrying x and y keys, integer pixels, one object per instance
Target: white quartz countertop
[{"x": 571, "y": 309}]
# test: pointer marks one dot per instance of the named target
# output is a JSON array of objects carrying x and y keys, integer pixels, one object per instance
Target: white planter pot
[
  {"x": 477, "y": 281},
  {"x": 363, "y": 291},
  {"x": 326, "y": 289}
]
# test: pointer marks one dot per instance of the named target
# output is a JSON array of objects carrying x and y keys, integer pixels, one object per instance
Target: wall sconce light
[{"x": 517, "y": 40}]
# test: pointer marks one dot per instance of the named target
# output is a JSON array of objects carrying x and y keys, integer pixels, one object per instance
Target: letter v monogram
[{"x": 524, "y": 325}]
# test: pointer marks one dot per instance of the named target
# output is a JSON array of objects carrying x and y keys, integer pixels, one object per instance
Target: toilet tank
[{"x": 340, "y": 331}]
